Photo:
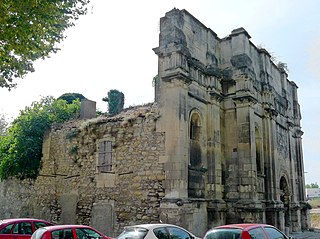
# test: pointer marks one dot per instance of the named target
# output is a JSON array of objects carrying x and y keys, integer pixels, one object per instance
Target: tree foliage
[
  {"x": 21, "y": 146},
  {"x": 115, "y": 101},
  {"x": 70, "y": 97},
  {"x": 312, "y": 185},
  {"x": 155, "y": 80},
  {"x": 30, "y": 30}
]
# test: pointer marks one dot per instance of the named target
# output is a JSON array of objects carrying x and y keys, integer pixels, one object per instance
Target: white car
[{"x": 156, "y": 231}]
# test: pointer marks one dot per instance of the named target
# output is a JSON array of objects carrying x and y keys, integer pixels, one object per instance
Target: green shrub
[{"x": 21, "y": 146}]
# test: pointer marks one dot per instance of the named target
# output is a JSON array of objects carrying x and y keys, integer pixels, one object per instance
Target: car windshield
[
  {"x": 133, "y": 233},
  {"x": 224, "y": 233}
]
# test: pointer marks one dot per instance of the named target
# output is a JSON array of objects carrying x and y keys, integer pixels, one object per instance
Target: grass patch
[
  {"x": 315, "y": 217},
  {"x": 315, "y": 203},
  {"x": 315, "y": 220}
]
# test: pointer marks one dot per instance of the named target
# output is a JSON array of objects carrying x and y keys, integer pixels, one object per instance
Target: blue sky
[{"x": 111, "y": 48}]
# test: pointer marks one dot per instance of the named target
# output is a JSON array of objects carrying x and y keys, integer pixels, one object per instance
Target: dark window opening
[
  {"x": 196, "y": 175},
  {"x": 195, "y": 127},
  {"x": 258, "y": 153},
  {"x": 195, "y": 148}
]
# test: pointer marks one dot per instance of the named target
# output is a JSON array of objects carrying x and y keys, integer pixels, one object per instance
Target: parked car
[
  {"x": 245, "y": 231},
  {"x": 68, "y": 232},
  {"x": 156, "y": 231},
  {"x": 20, "y": 228}
]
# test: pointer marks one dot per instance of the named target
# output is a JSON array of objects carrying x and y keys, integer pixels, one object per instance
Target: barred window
[{"x": 105, "y": 157}]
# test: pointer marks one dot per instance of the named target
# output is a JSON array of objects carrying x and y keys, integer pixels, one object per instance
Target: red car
[
  {"x": 68, "y": 232},
  {"x": 245, "y": 231},
  {"x": 20, "y": 228}
]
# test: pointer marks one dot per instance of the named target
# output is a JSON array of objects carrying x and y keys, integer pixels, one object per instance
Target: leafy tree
[
  {"x": 312, "y": 185},
  {"x": 30, "y": 30},
  {"x": 21, "y": 147},
  {"x": 155, "y": 80},
  {"x": 70, "y": 97},
  {"x": 115, "y": 101}
]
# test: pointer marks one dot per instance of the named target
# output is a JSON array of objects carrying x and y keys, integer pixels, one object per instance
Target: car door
[
  {"x": 66, "y": 233},
  {"x": 6, "y": 232},
  {"x": 22, "y": 230},
  {"x": 87, "y": 233}
]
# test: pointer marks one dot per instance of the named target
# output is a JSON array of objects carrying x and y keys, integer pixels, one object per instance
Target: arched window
[
  {"x": 195, "y": 149},
  {"x": 196, "y": 174},
  {"x": 258, "y": 152}
]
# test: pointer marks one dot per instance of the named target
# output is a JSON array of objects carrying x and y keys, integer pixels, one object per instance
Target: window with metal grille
[{"x": 105, "y": 156}]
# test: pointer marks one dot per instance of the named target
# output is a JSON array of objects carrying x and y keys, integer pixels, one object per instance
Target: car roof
[
  {"x": 243, "y": 226},
  {"x": 8, "y": 220},
  {"x": 152, "y": 225},
  {"x": 55, "y": 227}
]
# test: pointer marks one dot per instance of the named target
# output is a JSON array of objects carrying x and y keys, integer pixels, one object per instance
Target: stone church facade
[
  {"x": 220, "y": 144},
  {"x": 232, "y": 123}
]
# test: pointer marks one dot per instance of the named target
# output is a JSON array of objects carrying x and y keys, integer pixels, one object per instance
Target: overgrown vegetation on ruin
[
  {"x": 21, "y": 143},
  {"x": 115, "y": 101}
]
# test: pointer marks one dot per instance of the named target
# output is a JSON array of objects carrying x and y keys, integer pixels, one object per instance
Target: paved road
[
  {"x": 306, "y": 235},
  {"x": 314, "y": 234}
]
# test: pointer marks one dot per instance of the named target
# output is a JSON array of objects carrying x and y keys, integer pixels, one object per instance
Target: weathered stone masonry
[
  {"x": 232, "y": 123},
  {"x": 71, "y": 190},
  {"x": 221, "y": 144}
]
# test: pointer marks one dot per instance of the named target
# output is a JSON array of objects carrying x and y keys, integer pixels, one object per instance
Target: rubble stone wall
[{"x": 70, "y": 189}]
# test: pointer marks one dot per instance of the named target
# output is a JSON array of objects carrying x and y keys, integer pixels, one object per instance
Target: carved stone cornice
[
  {"x": 245, "y": 99},
  {"x": 217, "y": 205},
  {"x": 249, "y": 205},
  {"x": 274, "y": 205},
  {"x": 170, "y": 48},
  {"x": 298, "y": 133},
  {"x": 270, "y": 110},
  {"x": 290, "y": 123},
  {"x": 176, "y": 73},
  {"x": 198, "y": 98},
  {"x": 216, "y": 96}
]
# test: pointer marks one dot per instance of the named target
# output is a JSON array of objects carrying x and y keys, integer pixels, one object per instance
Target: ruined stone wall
[
  {"x": 19, "y": 199},
  {"x": 30, "y": 198},
  {"x": 70, "y": 189}
]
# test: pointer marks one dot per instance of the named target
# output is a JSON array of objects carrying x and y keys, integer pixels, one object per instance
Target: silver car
[{"x": 156, "y": 231}]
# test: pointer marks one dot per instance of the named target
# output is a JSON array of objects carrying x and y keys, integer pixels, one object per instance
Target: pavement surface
[{"x": 314, "y": 234}]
